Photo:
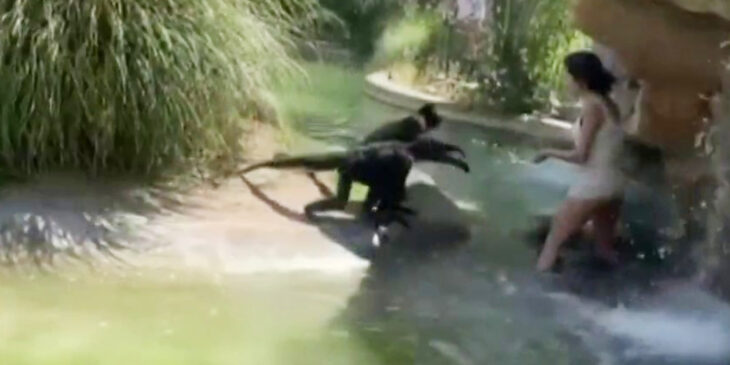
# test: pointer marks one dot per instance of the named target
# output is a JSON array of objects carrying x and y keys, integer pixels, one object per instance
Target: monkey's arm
[
  {"x": 458, "y": 163},
  {"x": 457, "y": 149}
]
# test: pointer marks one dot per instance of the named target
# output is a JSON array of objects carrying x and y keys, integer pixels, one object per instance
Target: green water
[
  {"x": 475, "y": 303},
  {"x": 480, "y": 303},
  {"x": 172, "y": 321}
]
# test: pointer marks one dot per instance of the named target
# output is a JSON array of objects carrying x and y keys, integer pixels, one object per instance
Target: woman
[{"x": 597, "y": 193}]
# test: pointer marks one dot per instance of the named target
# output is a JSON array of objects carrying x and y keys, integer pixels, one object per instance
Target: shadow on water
[{"x": 273, "y": 204}]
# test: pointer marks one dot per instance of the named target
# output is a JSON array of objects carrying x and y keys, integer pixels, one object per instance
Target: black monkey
[{"x": 382, "y": 166}]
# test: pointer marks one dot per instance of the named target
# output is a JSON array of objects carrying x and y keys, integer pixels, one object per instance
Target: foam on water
[
  {"x": 667, "y": 334},
  {"x": 664, "y": 332}
]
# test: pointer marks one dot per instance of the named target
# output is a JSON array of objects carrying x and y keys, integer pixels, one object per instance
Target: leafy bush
[
  {"x": 135, "y": 85},
  {"x": 411, "y": 38},
  {"x": 523, "y": 62}
]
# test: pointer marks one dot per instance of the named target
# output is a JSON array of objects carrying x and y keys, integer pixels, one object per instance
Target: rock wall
[{"x": 677, "y": 54}]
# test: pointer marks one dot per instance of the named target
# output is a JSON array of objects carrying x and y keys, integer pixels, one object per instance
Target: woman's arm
[{"x": 592, "y": 119}]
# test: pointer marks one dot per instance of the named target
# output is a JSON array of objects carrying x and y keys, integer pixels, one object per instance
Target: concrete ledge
[
  {"x": 378, "y": 82},
  {"x": 542, "y": 131}
]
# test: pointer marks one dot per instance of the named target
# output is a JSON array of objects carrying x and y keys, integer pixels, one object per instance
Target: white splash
[
  {"x": 677, "y": 335},
  {"x": 660, "y": 332}
]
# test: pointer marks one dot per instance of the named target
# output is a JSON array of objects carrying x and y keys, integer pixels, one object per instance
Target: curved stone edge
[{"x": 530, "y": 129}]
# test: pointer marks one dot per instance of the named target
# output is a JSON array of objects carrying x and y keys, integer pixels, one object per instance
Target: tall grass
[{"x": 136, "y": 85}]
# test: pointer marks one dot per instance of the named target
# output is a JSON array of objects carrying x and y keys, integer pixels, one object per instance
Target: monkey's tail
[{"x": 320, "y": 162}]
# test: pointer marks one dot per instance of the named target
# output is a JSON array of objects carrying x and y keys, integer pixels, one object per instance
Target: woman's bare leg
[
  {"x": 605, "y": 221},
  {"x": 570, "y": 218}
]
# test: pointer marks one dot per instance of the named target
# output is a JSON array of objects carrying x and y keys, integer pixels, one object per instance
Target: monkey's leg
[
  {"x": 393, "y": 195},
  {"x": 399, "y": 218},
  {"x": 338, "y": 202},
  {"x": 388, "y": 212},
  {"x": 406, "y": 210},
  {"x": 371, "y": 200},
  {"x": 384, "y": 218},
  {"x": 323, "y": 206},
  {"x": 371, "y": 207}
]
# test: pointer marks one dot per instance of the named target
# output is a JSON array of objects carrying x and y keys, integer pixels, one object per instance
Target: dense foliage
[
  {"x": 413, "y": 37},
  {"x": 520, "y": 52},
  {"x": 135, "y": 85},
  {"x": 523, "y": 61},
  {"x": 362, "y": 22}
]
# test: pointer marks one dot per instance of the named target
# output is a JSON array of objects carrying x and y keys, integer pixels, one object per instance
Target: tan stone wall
[
  {"x": 673, "y": 116},
  {"x": 676, "y": 53},
  {"x": 718, "y": 7}
]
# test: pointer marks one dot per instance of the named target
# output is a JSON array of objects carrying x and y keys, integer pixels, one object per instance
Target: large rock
[{"x": 676, "y": 53}]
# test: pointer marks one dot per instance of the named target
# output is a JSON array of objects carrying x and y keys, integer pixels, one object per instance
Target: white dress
[{"x": 600, "y": 177}]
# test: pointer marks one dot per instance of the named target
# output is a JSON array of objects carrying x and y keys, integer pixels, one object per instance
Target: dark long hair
[{"x": 587, "y": 68}]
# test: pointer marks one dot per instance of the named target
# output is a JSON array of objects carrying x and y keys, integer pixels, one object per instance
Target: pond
[
  {"x": 481, "y": 304},
  {"x": 477, "y": 303}
]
